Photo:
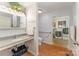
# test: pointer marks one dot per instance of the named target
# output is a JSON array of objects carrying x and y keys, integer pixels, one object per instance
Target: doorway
[{"x": 61, "y": 31}]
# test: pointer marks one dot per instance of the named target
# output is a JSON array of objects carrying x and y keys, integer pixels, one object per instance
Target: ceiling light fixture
[{"x": 39, "y": 11}]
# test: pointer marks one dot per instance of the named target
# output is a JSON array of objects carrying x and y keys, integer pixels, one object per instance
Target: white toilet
[{"x": 40, "y": 40}]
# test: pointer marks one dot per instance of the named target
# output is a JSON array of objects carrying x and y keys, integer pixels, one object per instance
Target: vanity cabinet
[
  {"x": 5, "y": 49},
  {"x": 6, "y": 52}
]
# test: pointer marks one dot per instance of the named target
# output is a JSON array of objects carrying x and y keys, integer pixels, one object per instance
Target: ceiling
[
  {"x": 49, "y": 6},
  {"x": 26, "y": 4}
]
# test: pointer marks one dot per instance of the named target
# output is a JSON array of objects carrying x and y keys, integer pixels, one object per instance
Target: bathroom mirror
[
  {"x": 5, "y": 20},
  {"x": 11, "y": 21}
]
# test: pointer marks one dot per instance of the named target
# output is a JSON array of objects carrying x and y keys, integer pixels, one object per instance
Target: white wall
[
  {"x": 45, "y": 25},
  {"x": 5, "y": 3},
  {"x": 45, "y": 21},
  {"x": 32, "y": 26}
]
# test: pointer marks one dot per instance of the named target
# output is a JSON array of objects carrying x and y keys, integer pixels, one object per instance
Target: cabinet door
[{"x": 6, "y": 52}]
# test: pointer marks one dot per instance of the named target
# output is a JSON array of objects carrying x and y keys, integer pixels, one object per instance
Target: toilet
[{"x": 40, "y": 41}]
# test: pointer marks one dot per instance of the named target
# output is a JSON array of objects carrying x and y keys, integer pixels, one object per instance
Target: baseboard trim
[
  {"x": 31, "y": 52},
  {"x": 47, "y": 43}
]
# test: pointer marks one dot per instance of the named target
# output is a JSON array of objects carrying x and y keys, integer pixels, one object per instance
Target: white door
[{"x": 75, "y": 47}]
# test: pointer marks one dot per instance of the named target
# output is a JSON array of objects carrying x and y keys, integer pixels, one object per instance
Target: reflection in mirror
[
  {"x": 11, "y": 21},
  {"x": 5, "y": 20},
  {"x": 16, "y": 21}
]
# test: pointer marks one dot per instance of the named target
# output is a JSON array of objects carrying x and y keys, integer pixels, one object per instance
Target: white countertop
[{"x": 7, "y": 43}]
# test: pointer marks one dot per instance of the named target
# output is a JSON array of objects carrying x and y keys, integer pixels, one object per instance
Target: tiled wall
[{"x": 11, "y": 32}]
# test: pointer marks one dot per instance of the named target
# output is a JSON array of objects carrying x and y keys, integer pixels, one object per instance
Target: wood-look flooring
[
  {"x": 51, "y": 50},
  {"x": 61, "y": 42},
  {"x": 27, "y": 54}
]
